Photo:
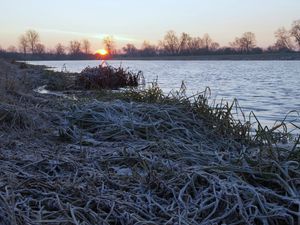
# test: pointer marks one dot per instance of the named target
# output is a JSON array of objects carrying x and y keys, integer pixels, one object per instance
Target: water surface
[{"x": 269, "y": 88}]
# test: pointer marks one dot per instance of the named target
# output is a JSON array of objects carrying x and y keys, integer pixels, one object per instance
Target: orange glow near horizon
[{"x": 102, "y": 52}]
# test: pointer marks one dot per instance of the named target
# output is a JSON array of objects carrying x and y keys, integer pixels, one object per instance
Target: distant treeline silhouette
[{"x": 31, "y": 48}]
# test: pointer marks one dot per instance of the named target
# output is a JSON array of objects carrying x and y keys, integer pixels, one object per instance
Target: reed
[{"x": 108, "y": 77}]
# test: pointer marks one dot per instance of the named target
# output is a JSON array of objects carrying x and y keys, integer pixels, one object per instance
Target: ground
[{"x": 98, "y": 157}]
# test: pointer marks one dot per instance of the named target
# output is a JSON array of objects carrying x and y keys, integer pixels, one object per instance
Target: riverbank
[
  {"x": 289, "y": 56},
  {"x": 212, "y": 57},
  {"x": 104, "y": 157}
]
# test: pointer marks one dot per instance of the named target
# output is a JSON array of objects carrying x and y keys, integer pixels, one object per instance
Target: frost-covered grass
[{"x": 141, "y": 157}]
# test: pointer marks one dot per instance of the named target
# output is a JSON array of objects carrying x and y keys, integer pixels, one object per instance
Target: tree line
[
  {"x": 186, "y": 45},
  {"x": 30, "y": 46}
]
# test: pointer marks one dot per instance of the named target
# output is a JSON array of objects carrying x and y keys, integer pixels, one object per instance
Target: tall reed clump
[
  {"x": 108, "y": 77},
  {"x": 221, "y": 118}
]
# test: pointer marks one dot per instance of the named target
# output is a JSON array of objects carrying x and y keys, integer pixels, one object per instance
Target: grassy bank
[{"x": 137, "y": 157}]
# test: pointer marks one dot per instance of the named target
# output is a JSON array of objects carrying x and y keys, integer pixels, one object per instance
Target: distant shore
[
  {"x": 266, "y": 56},
  {"x": 213, "y": 57}
]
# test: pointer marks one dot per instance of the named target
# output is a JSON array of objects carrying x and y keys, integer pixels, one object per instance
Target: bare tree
[
  {"x": 295, "y": 31},
  {"x": 184, "y": 41},
  {"x": 195, "y": 45},
  {"x": 86, "y": 46},
  {"x": 170, "y": 43},
  {"x": 148, "y": 49},
  {"x": 246, "y": 43},
  {"x": 236, "y": 45},
  {"x": 283, "y": 40},
  {"x": 60, "y": 49},
  {"x": 109, "y": 44},
  {"x": 207, "y": 41},
  {"x": 130, "y": 49},
  {"x": 75, "y": 48},
  {"x": 214, "y": 46},
  {"x": 40, "y": 49},
  {"x": 23, "y": 44},
  {"x": 33, "y": 38}
]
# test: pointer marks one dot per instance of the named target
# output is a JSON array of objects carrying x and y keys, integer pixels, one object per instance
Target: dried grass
[
  {"x": 59, "y": 81},
  {"x": 108, "y": 77},
  {"x": 156, "y": 160},
  {"x": 15, "y": 117}
]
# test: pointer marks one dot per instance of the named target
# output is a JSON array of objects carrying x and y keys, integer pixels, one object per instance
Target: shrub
[{"x": 108, "y": 77}]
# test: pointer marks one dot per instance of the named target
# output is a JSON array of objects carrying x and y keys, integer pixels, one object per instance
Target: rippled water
[{"x": 269, "y": 88}]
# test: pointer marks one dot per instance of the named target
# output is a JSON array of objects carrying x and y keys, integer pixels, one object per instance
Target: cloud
[{"x": 117, "y": 37}]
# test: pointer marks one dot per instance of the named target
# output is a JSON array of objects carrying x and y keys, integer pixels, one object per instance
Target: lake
[{"x": 270, "y": 89}]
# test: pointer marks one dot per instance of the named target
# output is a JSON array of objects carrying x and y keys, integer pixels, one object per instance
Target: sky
[{"x": 133, "y": 21}]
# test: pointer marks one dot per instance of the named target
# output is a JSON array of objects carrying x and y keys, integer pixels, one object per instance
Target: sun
[{"x": 102, "y": 52}]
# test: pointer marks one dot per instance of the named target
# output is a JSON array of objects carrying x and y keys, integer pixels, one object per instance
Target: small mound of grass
[
  {"x": 108, "y": 77},
  {"x": 12, "y": 117},
  {"x": 59, "y": 81},
  {"x": 23, "y": 66}
]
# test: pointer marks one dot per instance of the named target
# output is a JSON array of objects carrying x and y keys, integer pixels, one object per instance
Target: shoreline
[
  {"x": 295, "y": 56},
  {"x": 135, "y": 157},
  {"x": 242, "y": 57}
]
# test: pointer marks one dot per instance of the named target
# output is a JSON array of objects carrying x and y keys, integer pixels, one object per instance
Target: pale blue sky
[{"x": 138, "y": 20}]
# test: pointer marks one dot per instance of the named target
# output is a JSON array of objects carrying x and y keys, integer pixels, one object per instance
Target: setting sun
[{"x": 102, "y": 52}]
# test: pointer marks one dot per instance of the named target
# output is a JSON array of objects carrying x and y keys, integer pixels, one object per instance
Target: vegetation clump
[
  {"x": 108, "y": 77},
  {"x": 13, "y": 117},
  {"x": 60, "y": 81}
]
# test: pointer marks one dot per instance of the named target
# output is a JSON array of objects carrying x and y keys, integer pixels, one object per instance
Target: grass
[
  {"x": 183, "y": 160},
  {"x": 220, "y": 118},
  {"x": 59, "y": 81},
  {"x": 96, "y": 79},
  {"x": 12, "y": 117},
  {"x": 142, "y": 157},
  {"x": 108, "y": 77}
]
